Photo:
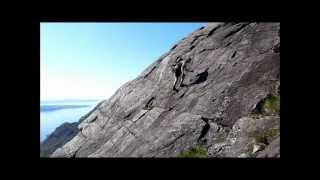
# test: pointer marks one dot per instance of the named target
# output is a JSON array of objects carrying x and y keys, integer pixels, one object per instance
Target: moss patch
[
  {"x": 198, "y": 152},
  {"x": 270, "y": 105},
  {"x": 147, "y": 108},
  {"x": 266, "y": 136}
]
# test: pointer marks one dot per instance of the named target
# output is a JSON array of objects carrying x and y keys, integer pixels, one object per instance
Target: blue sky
[{"x": 92, "y": 60}]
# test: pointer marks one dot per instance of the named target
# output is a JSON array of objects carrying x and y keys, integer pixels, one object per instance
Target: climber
[
  {"x": 183, "y": 70},
  {"x": 179, "y": 69}
]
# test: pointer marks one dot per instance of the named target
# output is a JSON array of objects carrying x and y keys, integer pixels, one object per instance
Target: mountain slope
[{"x": 226, "y": 101}]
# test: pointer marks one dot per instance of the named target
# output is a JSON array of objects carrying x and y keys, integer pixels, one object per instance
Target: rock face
[
  {"x": 249, "y": 137},
  {"x": 228, "y": 69}
]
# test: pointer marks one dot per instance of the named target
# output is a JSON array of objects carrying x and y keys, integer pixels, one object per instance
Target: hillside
[{"x": 216, "y": 93}]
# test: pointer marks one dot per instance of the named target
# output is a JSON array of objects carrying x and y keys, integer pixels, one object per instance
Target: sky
[{"x": 92, "y": 60}]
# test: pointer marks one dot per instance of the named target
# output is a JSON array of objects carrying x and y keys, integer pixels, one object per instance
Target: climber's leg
[
  {"x": 183, "y": 76},
  {"x": 179, "y": 82},
  {"x": 175, "y": 82}
]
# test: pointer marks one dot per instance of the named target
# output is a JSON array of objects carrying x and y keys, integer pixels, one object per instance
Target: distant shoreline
[
  {"x": 47, "y": 108},
  {"x": 68, "y": 100}
]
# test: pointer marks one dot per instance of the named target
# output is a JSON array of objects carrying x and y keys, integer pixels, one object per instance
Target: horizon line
[{"x": 73, "y": 99}]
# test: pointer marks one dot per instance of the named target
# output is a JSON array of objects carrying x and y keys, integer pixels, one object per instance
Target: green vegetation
[
  {"x": 198, "y": 152},
  {"x": 270, "y": 105},
  {"x": 266, "y": 136},
  {"x": 148, "y": 108}
]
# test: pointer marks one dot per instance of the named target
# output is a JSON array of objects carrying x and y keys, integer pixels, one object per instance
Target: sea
[{"x": 55, "y": 113}]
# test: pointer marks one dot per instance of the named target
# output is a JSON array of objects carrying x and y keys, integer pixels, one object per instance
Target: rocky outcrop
[
  {"x": 227, "y": 71},
  {"x": 58, "y": 138},
  {"x": 249, "y": 136}
]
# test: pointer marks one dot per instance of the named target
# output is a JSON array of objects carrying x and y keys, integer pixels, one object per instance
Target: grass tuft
[
  {"x": 272, "y": 105},
  {"x": 198, "y": 152},
  {"x": 269, "y": 106}
]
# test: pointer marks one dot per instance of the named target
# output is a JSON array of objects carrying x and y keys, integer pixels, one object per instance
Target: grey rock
[
  {"x": 257, "y": 147},
  {"x": 234, "y": 66},
  {"x": 273, "y": 150},
  {"x": 243, "y": 155},
  {"x": 246, "y": 135}
]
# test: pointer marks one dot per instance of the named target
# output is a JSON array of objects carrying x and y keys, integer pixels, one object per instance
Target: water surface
[{"x": 55, "y": 113}]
